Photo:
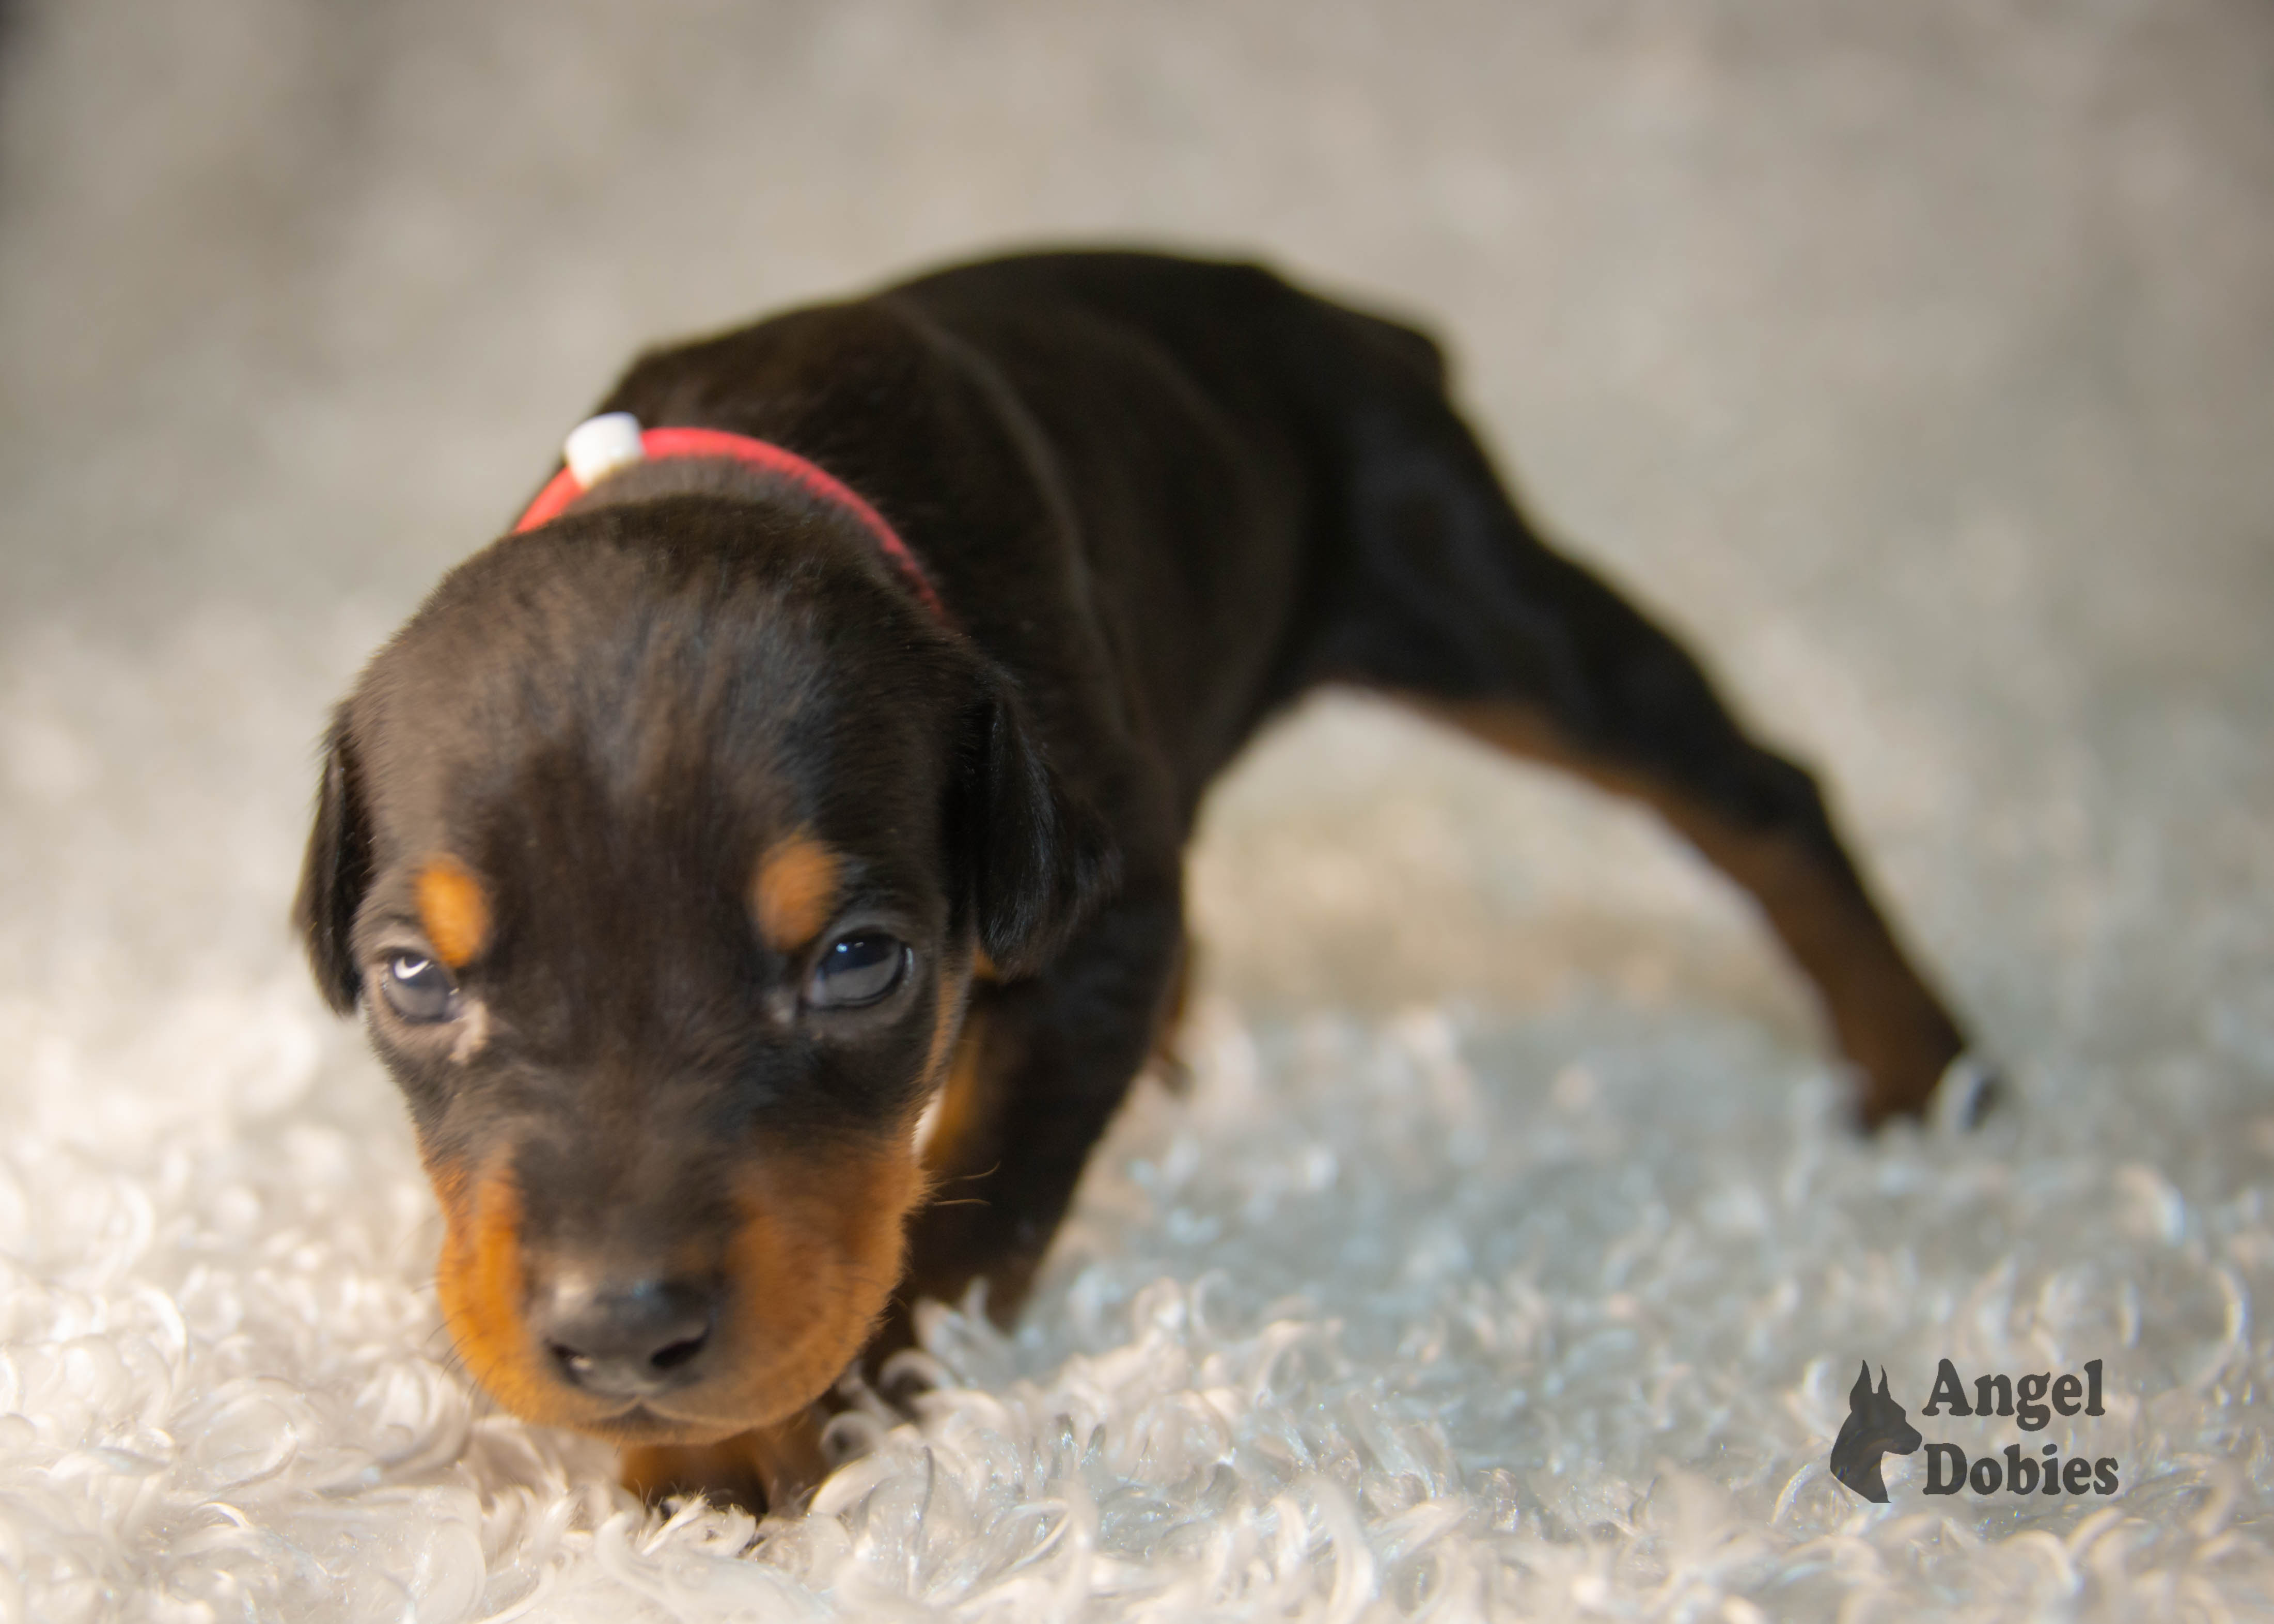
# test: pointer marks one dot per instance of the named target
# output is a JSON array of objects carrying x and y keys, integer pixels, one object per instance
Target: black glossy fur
[{"x": 1161, "y": 499}]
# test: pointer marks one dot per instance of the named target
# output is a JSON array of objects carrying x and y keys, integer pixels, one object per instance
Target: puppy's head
[{"x": 656, "y": 853}]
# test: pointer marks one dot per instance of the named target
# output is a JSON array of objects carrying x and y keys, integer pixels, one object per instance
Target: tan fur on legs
[{"x": 1884, "y": 1018}]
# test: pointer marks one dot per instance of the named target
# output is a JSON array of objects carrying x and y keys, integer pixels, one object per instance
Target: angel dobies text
[{"x": 2032, "y": 1401}]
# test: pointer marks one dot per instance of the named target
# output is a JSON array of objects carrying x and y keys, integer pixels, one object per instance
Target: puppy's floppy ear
[
  {"x": 1037, "y": 858},
  {"x": 336, "y": 873}
]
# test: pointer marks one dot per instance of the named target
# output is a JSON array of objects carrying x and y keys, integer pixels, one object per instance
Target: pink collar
[{"x": 599, "y": 445}]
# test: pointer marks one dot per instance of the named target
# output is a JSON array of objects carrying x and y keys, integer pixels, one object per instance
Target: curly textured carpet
[{"x": 1507, "y": 1258}]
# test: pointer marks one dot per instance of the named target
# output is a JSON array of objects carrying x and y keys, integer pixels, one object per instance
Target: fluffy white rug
[
  {"x": 1507, "y": 1258},
  {"x": 1432, "y": 1313}
]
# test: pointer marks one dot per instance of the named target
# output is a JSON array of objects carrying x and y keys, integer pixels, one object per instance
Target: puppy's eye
[
  {"x": 857, "y": 969},
  {"x": 417, "y": 989}
]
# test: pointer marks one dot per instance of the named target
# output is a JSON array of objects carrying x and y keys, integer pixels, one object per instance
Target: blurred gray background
[{"x": 1914, "y": 359}]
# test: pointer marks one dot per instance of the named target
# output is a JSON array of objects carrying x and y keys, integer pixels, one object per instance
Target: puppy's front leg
[{"x": 1042, "y": 1065}]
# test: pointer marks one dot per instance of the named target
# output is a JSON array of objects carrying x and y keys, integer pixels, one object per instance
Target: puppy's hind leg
[{"x": 1450, "y": 601}]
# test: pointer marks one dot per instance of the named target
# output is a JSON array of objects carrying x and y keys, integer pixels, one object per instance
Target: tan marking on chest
[
  {"x": 454, "y": 909},
  {"x": 956, "y": 1125},
  {"x": 795, "y": 892}
]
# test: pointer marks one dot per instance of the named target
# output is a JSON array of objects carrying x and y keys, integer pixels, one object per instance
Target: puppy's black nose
[{"x": 626, "y": 1339}]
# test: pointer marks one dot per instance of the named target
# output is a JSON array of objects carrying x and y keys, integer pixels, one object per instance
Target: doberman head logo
[{"x": 1876, "y": 1427}]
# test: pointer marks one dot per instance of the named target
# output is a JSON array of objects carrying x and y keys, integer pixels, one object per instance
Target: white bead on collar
[{"x": 598, "y": 446}]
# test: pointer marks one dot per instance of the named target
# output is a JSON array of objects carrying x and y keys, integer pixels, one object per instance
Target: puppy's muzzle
[{"x": 630, "y": 1338}]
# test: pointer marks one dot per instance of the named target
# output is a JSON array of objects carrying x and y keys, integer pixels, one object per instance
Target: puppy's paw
[
  {"x": 1957, "y": 1096},
  {"x": 1970, "y": 1091},
  {"x": 768, "y": 1469}
]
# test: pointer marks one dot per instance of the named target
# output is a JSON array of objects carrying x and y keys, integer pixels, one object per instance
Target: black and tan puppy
[{"x": 732, "y": 856}]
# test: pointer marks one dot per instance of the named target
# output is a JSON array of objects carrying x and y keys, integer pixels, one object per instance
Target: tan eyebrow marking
[
  {"x": 454, "y": 910},
  {"x": 795, "y": 892}
]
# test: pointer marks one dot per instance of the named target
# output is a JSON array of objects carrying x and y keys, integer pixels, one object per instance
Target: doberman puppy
[{"x": 787, "y": 821}]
